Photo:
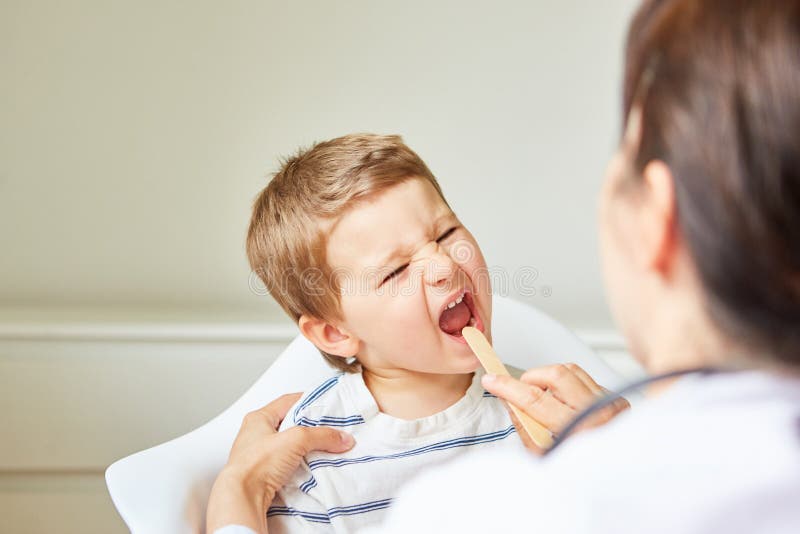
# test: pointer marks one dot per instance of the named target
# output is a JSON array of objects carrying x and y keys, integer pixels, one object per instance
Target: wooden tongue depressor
[{"x": 485, "y": 353}]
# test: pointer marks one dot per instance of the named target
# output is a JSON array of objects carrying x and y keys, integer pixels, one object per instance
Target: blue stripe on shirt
[
  {"x": 308, "y": 485},
  {"x": 330, "y": 421},
  {"x": 316, "y": 517},
  {"x": 317, "y": 393},
  {"x": 359, "y": 508},
  {"x": 442, "y": 445},
  {"x": 286, "y": 510}
]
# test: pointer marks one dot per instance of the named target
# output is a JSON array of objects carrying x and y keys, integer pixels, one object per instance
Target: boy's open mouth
[{"x": 458, "y": 313}]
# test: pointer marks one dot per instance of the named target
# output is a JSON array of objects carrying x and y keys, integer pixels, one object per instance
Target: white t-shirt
[{"x": 347, "y": 492}]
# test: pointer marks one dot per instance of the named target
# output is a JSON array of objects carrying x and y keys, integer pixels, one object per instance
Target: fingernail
[
  {"x": 347, "y": 439},
  {"x": 488, "y": 379}
]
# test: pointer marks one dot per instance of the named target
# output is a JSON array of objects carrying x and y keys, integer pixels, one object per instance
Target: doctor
[{"x": 700, "y": 235}]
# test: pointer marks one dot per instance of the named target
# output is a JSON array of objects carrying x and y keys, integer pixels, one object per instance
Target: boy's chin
[
  {"x": 468, "y": 364},
  {"x": 476, "y": 365}
]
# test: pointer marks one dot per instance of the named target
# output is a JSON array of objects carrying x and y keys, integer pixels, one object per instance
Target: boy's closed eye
[
  {"x": 396, "y": 272},
  {"x": 399, "y": 270},
  {"x": 447, "y": 234}
]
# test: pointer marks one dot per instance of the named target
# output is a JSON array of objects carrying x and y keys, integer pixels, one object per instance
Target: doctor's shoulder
[{"x": 709, "y": 455}]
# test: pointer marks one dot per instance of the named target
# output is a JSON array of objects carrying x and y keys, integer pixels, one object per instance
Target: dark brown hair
[
  {"x": 722, "y": 110},
  {"x": 286, "y": 241}
]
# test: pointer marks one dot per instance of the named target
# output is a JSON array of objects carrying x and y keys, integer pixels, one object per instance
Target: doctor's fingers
[
  {"x": 305, "y": 439},
  {"x": 565, "y": 383},
  {"x": 268, "y": 463},
  {"x": 538, "y": 403},
  {"x": 265, "y": 457},
  {"x": 561, "y": 380},
  {"x": 273, "y": 413},
  {"x": 263, "y": 422},
  {"x": 620, "y": 404}
]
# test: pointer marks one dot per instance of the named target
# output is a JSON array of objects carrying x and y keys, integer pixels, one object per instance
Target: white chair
[{"x": 164, "y": 489}]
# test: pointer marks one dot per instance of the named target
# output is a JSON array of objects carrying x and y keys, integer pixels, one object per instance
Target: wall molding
[
  {"x": 208, "y": 332},
  {"x": 194, "y": 332}
]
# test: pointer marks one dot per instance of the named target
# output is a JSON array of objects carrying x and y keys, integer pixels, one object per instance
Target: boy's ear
[{"x": 328, "y": 337}]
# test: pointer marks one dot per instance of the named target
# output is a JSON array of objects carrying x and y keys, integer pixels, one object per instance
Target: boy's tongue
[{"x": 454, "y": 319}]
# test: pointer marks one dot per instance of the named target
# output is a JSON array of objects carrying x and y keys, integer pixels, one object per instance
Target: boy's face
[{"x": 402, "y": 260}]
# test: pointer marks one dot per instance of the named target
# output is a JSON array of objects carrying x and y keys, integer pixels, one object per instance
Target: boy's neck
[{"x": 408, "y": 395}]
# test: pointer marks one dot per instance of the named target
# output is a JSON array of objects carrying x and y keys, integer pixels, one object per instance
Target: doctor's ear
[
  {"x": 658, "y": 236},
  {"x": 328, "y": 337}
]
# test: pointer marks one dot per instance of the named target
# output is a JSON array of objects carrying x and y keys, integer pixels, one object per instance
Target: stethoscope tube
[{"x": 611, "y": 397}]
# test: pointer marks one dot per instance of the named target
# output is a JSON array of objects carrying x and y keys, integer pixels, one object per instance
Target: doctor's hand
[
  {"x": 261, "y": 462},
  {"x": 553, "y": 396}
]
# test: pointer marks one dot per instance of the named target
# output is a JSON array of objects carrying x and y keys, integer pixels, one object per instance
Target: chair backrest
[{"x": 164, "y": 489}]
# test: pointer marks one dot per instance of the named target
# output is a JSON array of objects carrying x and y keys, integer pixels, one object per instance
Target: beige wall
[
  {"x": 134, "y": 135},
  {"x": 75, "y": 399}
]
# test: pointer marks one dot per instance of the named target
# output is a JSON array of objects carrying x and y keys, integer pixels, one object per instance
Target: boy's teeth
[{"x": 455, "y": 302}]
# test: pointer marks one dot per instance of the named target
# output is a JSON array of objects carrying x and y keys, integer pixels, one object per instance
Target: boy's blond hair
[{"x": 286, "y": 241}]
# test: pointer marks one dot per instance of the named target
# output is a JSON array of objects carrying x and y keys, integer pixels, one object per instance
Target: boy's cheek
[
  {"x": 401, "y": 325},
  {"x": 390, "y": 319}
]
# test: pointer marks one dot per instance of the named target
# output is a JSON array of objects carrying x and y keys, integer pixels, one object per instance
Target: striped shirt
[{"x": 346, "y": 492}]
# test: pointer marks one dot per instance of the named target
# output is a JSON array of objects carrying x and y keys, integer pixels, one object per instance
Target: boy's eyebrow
[{"x": 407, "y": 249}]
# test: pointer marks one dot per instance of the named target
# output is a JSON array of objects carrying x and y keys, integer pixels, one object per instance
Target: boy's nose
[{"x": 440, "y": 267}]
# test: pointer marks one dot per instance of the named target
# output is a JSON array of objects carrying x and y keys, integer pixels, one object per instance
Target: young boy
[{"x": 356, "y": 242}]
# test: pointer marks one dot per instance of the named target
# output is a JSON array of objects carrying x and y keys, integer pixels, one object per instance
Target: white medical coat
[{"x": 712, "y": 454}]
